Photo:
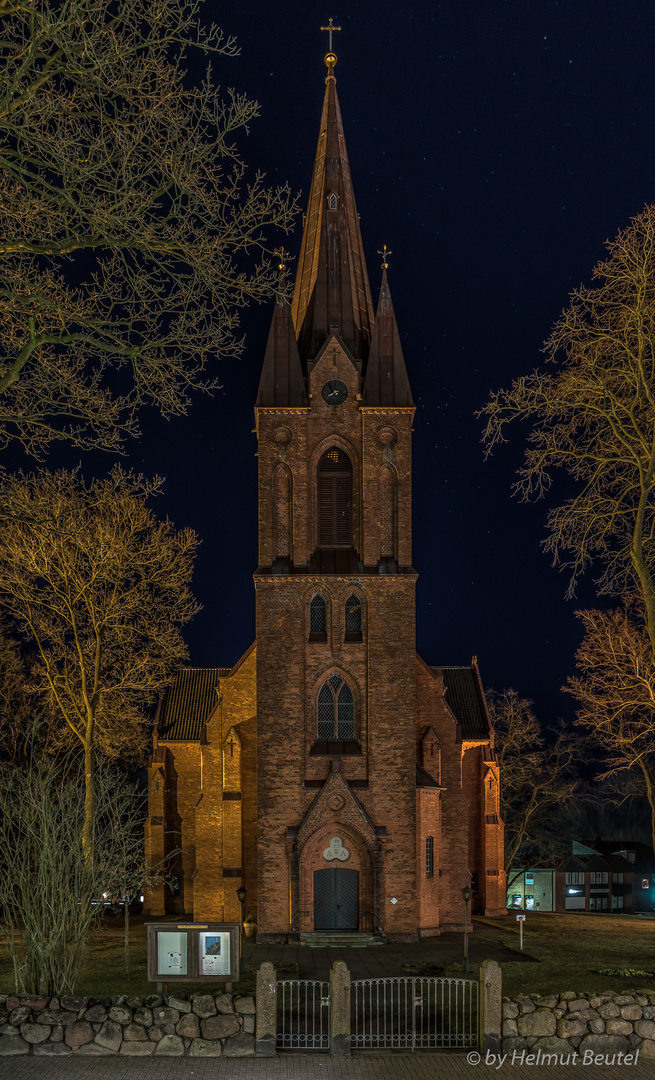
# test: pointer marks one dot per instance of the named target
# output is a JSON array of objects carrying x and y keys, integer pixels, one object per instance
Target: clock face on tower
[{"x": 335, "y": 392}]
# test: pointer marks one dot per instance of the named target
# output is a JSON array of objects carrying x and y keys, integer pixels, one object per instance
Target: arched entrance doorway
[
  {"x": 336, "y": 881},
  {"x": 336, "y": 899}
]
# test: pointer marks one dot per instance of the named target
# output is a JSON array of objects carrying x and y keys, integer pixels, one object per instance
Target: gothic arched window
[
  {"x": 353, "y": 618},
  {"x": 335, "y": 710},
  {"x": 335, "y": 484},
  {"x": 317, "y": 619}
]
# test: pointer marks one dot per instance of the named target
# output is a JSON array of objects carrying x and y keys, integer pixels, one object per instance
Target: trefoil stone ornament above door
[{"x": 336, "y": 850}]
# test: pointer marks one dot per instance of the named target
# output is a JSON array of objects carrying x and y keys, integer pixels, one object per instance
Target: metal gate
[
  {"x": 303, "y": 1015},
  {"x": 414, "y": 1014}
]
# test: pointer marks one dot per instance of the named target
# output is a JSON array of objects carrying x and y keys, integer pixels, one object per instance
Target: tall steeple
[{"x": 332, "y": 291}]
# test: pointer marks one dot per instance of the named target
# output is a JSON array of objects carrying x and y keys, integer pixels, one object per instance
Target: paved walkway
[{"x": 308, "y": 1067}]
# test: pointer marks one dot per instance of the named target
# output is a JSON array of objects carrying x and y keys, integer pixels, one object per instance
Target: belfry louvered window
[
  {"x": 335, "y": 710},
  {"x": 317, "y": 619},
  {"x": 353, "y": 618},
  {"x": 335, "y": 482}
]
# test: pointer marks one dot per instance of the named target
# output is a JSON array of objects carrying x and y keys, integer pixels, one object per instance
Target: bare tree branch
[
  {"x": 594, "y": 417},
  {"x": 616, "y": 692},
  {"x": 130, "y": 234},
  {"x": 535, "y": 776}
]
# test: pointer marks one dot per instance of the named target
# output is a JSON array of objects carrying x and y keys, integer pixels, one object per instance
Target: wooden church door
[{"x": 336, "y": 899}]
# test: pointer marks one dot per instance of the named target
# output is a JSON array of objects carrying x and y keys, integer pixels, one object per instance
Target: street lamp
[
  {"x": 241, "y": 897},
  {"x": 467, "y": 893}
]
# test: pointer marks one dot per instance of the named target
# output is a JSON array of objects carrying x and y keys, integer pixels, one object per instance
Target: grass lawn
[
  {"x": 104, "y": 972},
  {"x": 569, "y": 949},
  {"x": 561, "y": 952}
]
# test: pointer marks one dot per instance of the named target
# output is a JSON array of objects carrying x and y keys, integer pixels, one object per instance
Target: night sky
[{"x": 494, "y": 145}]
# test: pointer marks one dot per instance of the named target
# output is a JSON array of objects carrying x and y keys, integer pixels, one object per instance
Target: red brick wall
[
  {"x": 225, "y": 827},
  {"x": 454, "y": 875},
  {"x": 428, "y": 824},
  {"x": 173, "y": 791}
]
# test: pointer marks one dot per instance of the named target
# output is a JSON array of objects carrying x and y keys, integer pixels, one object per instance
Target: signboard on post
[
  {"x": 193, "y": 952},
  {"x": 520, "y": 920}
]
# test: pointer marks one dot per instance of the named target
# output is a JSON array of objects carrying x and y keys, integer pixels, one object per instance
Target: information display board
[
  {"x": 193, "y": 952},
  {"x": 172, "y": 953},
  {"x": 214, "y": 953}
]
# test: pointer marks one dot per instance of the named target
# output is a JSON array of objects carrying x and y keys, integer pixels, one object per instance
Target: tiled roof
[
  {"x": 423, "y": 778},
  {"x": 464, "y": 697},
  {"x": 579, "y": 862},
  {"x": 643, "y": 853},
  {"x": 187, "y": 703}
]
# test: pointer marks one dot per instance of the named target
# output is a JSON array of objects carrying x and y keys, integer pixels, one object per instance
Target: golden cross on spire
[
  {"x": 330, "y": 57},
  {"x": 385, "y": 253},
  {"x": 330, "y": 29}
]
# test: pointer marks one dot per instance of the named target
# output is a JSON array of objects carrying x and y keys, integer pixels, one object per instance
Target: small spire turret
[
  {"x": 281, "y": 381},
  {"x": 386, "y": 382}
]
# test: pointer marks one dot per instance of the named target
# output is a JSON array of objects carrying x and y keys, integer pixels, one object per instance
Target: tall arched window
[
  {"x": 317, "y": 619},
  {"x": 334, "y": 483},
  {"x": 353, "y": 618},
  {"x": 336, "y": 710}
]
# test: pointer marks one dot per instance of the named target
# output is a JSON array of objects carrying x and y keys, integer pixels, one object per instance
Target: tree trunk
[{"x": 89, "y": 802}]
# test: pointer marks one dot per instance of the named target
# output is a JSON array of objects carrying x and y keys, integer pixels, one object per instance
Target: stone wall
[
  {"x": 607, "y": 1023},
  {"x": 173, "y": 1025}
]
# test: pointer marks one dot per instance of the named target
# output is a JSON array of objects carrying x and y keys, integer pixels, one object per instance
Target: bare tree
[
  {"x": 16, "y": 709},
  {"x": 51, "y": 895},
  {"x": 100, "y": 587},
  {"x": 536, "y": 777},
  {"x": 616, "y": 692},
  {"x": 130, "y": 235},
  {"x": 594, "y": 417}
]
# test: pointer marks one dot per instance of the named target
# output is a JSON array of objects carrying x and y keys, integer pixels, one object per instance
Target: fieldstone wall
[
  {"x": 607, "y": 1023},
  {"x": 173, "y": 1025}
]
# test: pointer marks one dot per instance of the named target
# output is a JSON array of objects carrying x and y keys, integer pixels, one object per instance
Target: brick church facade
[{"x": 347, "y": 784}]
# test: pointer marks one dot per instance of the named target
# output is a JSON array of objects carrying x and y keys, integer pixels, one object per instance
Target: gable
[
  {"x": 188, "y": 703},
  {"x": 336, "y": 802}
]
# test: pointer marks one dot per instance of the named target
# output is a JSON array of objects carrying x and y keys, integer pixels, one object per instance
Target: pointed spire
[
  {"x": 386, "y": 375},
  {"x": 332, "y": 292},
  {"x": 281, "y": 381}
]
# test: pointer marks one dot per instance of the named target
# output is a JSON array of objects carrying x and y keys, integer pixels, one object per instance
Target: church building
[{"x": 345, "y": 782}]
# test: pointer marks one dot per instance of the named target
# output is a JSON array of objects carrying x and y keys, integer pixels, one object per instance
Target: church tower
[{"x": 336, "y": 680}]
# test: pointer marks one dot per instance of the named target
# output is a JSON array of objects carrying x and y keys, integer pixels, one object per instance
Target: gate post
[
  {"x": 339, "y": 1010},
  {"x": 266, "y": 1011},
  {"x": 491, "y": 992}
]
